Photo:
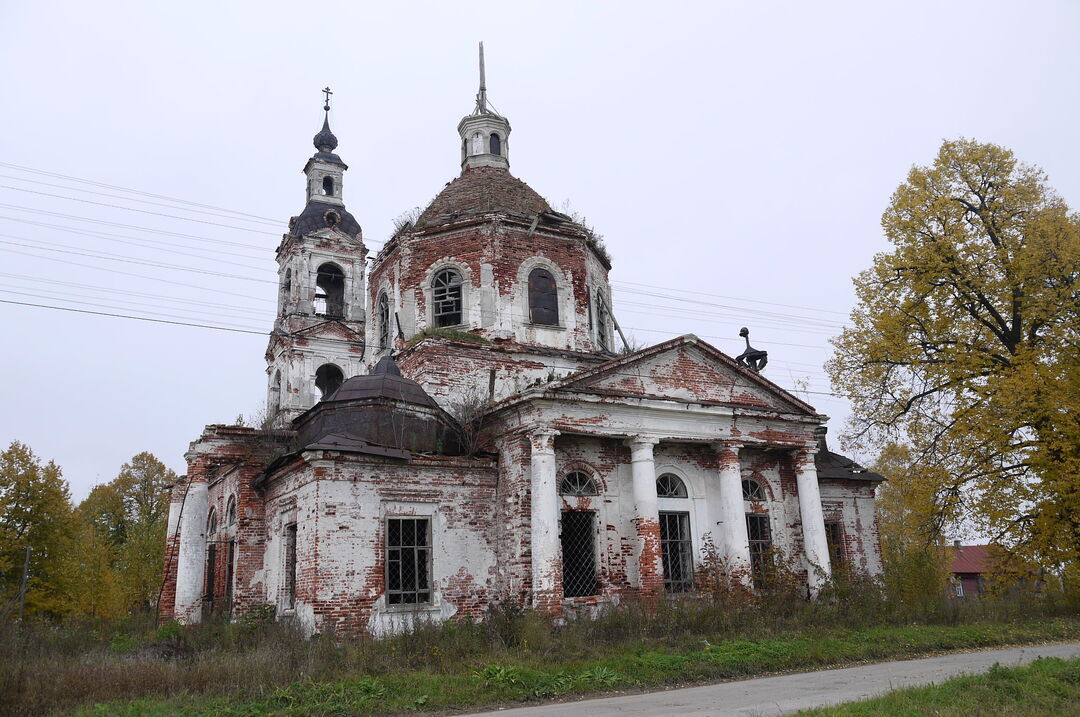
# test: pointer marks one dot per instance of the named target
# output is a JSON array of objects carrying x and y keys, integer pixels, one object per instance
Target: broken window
[
  {"x": 670, "y": 485},
  {"x": 760, "y": 535},
  {"x": 676, "y": 551},
  {"x": 330, "y": 291},
  {"x": 601, "y": 322},
  {"x": 834, "y": 538},
  {"x": 275, "y": 393},
  {"x": 496, "y": 144},
  {"x": 328, "y": 186},
  {"x": 408, "y": 561},
  {"x": 290, "y": 567},
  {"x": 543, "y": 298},
  {"x": 328, "y": 378},
  {"x": 230, "y": 565},
  {"x": 579, "y": 553},
  {"x": 383, "y": 317},
  {"x": 577, "y": 483},
  {"x": 211, "y": 523},
  {"x": 230, "y": 512},
  {"x": 446, "y": 297},
  {"x": 752, "y": 490},
  {"x": 286, "y": 290},
  {"x": 209, "y": 578}
]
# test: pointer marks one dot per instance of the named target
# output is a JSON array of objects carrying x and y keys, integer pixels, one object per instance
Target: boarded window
[
  {"x": 384, "y": 322},
  {"x": 834, "y": 537},
  {"x": 579, "y": 553},
  {"x": 290, "y": 567},
  {"x": 496, "y": 144},
  {"x": 408, "y": 561},
  {"x": 677, "y": 552},
  {"x": 752, "y": 490},
  {"x": 446, "y": 297},
  {"x": 577, "y": 483},
  {"x": 670, "y": 485},
  {"x": 760, "y": 535},
  {"x": 328, "y": 378},
  {"x": 543, "y": 298},
  {"x": 330, "y": 292}
]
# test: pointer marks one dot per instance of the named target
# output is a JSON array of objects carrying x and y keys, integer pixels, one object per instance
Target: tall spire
[
  {"x": 484, "y": 132},
  {"x": 481, "y": 96}
]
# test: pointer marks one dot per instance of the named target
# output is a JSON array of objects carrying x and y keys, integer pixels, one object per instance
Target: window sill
[{"x": 550, "y": 327}]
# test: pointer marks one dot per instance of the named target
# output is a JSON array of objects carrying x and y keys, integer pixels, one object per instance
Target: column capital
[
  {"x": 633, "y": 441},
  {"x": 542, "y": 440},
  {"x": 728, "y": 444}
]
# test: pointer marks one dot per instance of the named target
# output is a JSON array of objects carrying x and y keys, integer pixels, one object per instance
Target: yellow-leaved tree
[{"x": 965, "y": 346}]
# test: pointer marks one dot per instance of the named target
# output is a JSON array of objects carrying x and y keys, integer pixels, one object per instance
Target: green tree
[
  {"x": 965, "y": 345},
  {"x": 35, "y": 512},
  {"x": 129, "y": 515}
]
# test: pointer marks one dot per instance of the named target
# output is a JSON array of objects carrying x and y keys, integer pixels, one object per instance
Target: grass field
[
  {"x": 257, "y": 666},
  {"x": 1048, "y": 686}
]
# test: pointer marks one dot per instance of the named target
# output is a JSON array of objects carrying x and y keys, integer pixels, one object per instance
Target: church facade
[{"x": 450, "y": 425}]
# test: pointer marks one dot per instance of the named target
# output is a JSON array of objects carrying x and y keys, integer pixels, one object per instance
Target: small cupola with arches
[{"x": 484, "y": 133}]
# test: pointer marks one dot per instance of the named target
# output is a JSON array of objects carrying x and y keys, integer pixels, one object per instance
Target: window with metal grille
[
  {"x": 760, "y": 535},
  {"x": 752, "y": 490},
  {"x": 383, "y": 317},
  {"x": 446, "y": 298},
  {"x": 677, "y": 552},
  {"x": 328, "y": 378},
  {"x": 577, "y": 483},
  {"x": 290, "y": 567},
  {"x": 330, "y": 291},
  {"x": 543, "y": 298},
  {"x": 579, "y": 553},
  {"x": 834, "y": 537},
  {"x": 601, "y": 322},
  {"x": 670, "y": 485},
  {"x": 408, "y": 561}
]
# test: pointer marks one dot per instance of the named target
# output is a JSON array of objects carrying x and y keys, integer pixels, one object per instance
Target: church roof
[
  {"x": 316, "y": 216},
  {"x": 482, "y": 190},
  {"x": 384, "y": 381}
]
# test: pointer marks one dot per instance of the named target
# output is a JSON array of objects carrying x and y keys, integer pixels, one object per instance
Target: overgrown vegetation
[
  {"x": 256, "y": 666},
  {"x": 449, "y": 334},
  {"x": 1048, "y": 686}
]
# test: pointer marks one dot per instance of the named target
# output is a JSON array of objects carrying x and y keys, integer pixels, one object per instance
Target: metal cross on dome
[{"x": 327, "y": 91}]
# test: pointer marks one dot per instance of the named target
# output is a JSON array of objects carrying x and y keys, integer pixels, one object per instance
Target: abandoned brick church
[{"x": 451, "y": 425}]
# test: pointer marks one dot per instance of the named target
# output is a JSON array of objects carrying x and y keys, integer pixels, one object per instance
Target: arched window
[
  {"x": 275, "y": 393},
  {"x": 670, "y": 485},
  {"x": 328, "y": 186},
  {"x": 601, "y": 321},
  {"x": 496, "y": 144},
  {"x": 330, "y": 291},
  {"x": 752, "y": 490},
  {"x": 286, "y": 290},
  {"x": 383, "y": 317},
  {"x": 543, "y": 297},
  {"x": 577, "y": 483},
  {"x": 211, "y": 522},
  {"x": 328, "y": 378},
  {"x": 446, "y": 298},
  {"x": 230, "y": 512}
]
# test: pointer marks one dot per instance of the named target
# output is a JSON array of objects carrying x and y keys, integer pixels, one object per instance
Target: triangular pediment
[
  {"x": 332, "y": 329},
  {"x": 684, "y": 369}
]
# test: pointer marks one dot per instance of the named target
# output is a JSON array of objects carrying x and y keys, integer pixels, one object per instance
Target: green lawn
[
  {"x": 1049, "y": 686},
  {"x": 530, "y": 676}
]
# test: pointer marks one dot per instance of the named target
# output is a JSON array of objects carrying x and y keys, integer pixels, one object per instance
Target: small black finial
[
  {"x": 751, "y": 358},
  {"x": 325, "y": 141}
]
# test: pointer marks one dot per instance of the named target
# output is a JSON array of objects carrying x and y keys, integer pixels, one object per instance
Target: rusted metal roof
[{"x": 969, "y": 559}]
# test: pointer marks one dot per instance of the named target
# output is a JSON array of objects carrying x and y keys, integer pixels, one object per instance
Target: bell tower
[{"x": 318, "y": 336}]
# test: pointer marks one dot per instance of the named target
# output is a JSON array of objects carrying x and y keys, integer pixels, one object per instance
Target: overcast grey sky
[{"x": 734, "y": 149}]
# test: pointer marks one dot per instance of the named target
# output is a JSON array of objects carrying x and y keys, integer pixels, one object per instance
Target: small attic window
[
  {"x": 328, "y": 186},
  {"x": 496, "y": 144}
]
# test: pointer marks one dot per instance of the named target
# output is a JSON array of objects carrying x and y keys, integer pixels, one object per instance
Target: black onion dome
[{"x": 325, "y": 141}]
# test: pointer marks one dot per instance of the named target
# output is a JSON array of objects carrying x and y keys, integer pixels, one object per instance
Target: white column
[
  {"x": 816, "y": 547},
  {"x": 732, "y": 542},
  {"x": 646, "y": 515},
  {"x": 191, "y": 558},
  {"x": 546, "y": 563}
]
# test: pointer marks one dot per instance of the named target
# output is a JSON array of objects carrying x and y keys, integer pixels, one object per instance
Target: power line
[{"x": 136, "y": 318}]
